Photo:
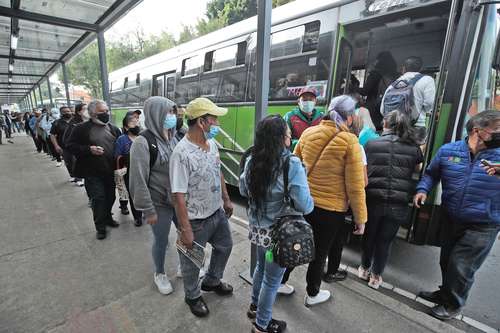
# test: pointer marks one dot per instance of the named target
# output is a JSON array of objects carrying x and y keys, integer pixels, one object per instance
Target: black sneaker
[
  {"x": 338, "y": 276},
  {"x": 252, "y": 311},
  {"x": 198, "y": 307},
  {"x": 113, "y": 224},
  {"x": 222, "y": 289},
  {"x": 276, "y": 326},
  {"x": 443, "y": 312},
  {"x": 101, "y": 235},
  {"x": 138, "y": 222},
  {"x": 431, "y": 296},
  {"x": 124, "y": 210}
]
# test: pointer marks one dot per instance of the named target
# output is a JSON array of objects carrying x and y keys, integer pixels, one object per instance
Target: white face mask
[{"x": 307, "y": 106}]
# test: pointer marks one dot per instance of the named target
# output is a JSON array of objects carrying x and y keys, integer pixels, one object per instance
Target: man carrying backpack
[{"x": 413, "y": 93}]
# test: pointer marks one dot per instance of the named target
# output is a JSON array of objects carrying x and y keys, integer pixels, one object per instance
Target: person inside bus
[
  {"x": 470, "y": 209},
  {"x": 333, "y": 160},
  {"x": 265, "y": 194},
  {"x": 384, "y": 72},
  {"x": 303, "y": 116},
  {"x": 392, "y": 159},
  {"x": 424, "y": 92}
]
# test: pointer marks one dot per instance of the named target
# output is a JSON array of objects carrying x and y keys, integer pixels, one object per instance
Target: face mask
[
  {"x": 494, "y": 142},
  {"x": 170, "y": 121},
  {"x": 134, "y": 130},
  {"x": 212, "y": 132},
  {"x": 307, "y": 106},
  {"x": 104, "y": 117},
  {"x": 66, "y": 115},
  {"x": 180, "y": 123}
]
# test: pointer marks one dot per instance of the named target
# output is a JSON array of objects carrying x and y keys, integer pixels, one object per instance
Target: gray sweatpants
[{"x": 214, "y": 230}]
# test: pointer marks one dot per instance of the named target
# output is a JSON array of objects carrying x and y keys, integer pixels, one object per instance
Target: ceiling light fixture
[
  {"x": 10, "y": 79},
  {"x": 11, "y": 67}
]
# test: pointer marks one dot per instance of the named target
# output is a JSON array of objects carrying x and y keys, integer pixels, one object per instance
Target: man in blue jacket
[{"x": 470, "y": 202}]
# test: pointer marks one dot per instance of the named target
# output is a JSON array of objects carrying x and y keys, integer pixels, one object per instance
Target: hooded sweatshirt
[{"x": 150, "y": 187}]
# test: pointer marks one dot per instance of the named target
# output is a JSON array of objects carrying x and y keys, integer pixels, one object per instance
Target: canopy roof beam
[
  {"x": 47, "y": 19},
  {"x": 5, "y": 56}
]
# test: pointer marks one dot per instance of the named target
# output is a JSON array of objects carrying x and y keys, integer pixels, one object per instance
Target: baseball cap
[
  {"x": 311, "y": 91},
  {"x": 202, "y": 106}
]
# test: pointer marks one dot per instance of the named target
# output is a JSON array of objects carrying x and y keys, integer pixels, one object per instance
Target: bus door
[
  {"x": 466, "y": 86},
  {"x": 343, "y": 66}
]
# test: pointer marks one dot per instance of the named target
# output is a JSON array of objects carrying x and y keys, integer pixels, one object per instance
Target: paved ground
[{"x": 56, "y": 277}]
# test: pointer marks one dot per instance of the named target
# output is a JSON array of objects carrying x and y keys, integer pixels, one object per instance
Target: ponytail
[{"x": 400, "y": 124}]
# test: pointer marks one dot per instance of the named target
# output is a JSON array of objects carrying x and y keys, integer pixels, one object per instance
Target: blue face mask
[
  {"x": 170, "y": 121},
  {"x": 212, "y": 133}
]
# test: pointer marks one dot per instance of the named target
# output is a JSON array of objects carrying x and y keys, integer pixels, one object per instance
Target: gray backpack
[{"x": 401, "y": 98}]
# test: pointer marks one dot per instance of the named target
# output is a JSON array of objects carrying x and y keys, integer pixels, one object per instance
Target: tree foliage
[{"x": 84, "y": 69}]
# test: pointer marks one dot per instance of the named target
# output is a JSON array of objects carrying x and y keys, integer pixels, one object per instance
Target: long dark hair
[
  {"x": 265, "y": 164},
  {"x": 386, "y": 64},
  {"x": 400, "y": 124}
]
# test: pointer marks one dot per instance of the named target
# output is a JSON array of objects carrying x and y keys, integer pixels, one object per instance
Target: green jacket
[{"x": 298, "y": 123}]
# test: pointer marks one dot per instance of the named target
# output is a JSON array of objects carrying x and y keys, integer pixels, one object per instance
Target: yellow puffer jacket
[{"x": 337, "y": 179}]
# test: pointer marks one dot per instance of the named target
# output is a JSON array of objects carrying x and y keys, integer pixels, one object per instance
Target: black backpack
[
  {"x": 292, "y": 237},
  {"x": 152, "y": 145}
]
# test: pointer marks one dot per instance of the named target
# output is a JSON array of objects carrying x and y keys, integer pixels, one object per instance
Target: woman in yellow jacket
[{"x": 333, "y": 160}]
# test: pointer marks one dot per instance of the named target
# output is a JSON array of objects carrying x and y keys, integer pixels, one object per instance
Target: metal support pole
[
  {"x": 50, "y": 93},
  {"x": 40, "y": 92},
  {"x": 31, "y": 101},
  {"x": 65, "y": 79},
  {"x": 104, "y": 67},
  {"x": 34, "y": 95},
  {"x": 263, "y": 52}
]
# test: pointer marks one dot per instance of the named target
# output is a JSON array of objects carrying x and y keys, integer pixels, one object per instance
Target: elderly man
[
  {"x": 470, "y": 209},
  {"x": 92, "y": 143},
  {"x": 201, "y": 202}
]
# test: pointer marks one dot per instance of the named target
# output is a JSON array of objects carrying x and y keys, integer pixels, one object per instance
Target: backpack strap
[
  {"x": 286, "y": 169},
  {"x": 321, "y": 152},
  {"x": 415, "y": 79},
  {"x": 152, "y": 145}
]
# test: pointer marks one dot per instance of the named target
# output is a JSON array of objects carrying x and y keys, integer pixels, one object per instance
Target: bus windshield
[{"x": 485, "y": 91}]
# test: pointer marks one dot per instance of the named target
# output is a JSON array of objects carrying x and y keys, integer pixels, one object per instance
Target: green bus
[{"x": 321, "y": 45}]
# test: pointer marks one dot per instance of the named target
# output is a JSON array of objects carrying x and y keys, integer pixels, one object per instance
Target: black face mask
[
  {"x": 180, "y": 123},
  {"x": 494, "y": 142},
  {"x": 134, "y": 130},
  {"x": 66, "y": 115},
  {"x": 104, "y": 117}
]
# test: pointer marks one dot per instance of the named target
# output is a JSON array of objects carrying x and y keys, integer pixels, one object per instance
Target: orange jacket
[{"x": 337, "y": 180}]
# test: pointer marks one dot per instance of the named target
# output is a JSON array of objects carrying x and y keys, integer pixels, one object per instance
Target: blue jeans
[
  {"x": 214, "y": 230},
  {"x": 266, "y": 281},
  {"x": 161, "y": 230},
  {"x": 465, "y": 248}
]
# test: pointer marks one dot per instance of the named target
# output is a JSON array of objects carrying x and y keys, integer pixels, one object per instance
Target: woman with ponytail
[
  {"x": 262, "y": 183},
  {"x": 392, "y": 159}
]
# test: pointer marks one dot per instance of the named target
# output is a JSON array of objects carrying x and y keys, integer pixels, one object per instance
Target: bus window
[
  {"x": 170, "y": 87},
  {"x": 158, "y": 86},
  {"x": 483, "y": 94},
  {"x": 232, "y": 88},
  {"x": 311, "y": 37},
  {"x": 224, "y": 58},
  {"x": 190, "y": 66},
  {"x": 287, "y": 42}
]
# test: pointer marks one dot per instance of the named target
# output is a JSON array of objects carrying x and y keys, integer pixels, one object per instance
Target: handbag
[
  {"x": 120, "y": 181},
  {"x": 292, "y": 238}
]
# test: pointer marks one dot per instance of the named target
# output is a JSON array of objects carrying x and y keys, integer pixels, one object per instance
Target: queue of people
[{"x": 173, "y": 175}]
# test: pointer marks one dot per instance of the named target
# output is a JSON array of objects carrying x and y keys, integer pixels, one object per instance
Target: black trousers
[
  {"x": 381, "y": 230},
  {"x": 52, "y": 150},
  {"x": 327, "y": 225},
  {"x": 101, "y": 191},
  {"x": 69, "y": 161},
  {"x": 335, "y": 254}
]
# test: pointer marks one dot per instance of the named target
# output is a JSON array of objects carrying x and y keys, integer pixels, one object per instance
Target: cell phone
[{"x": 485, "y": 163}]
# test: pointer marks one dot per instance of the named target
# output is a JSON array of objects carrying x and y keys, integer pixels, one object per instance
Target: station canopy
[{"x": 36, "y": 36}]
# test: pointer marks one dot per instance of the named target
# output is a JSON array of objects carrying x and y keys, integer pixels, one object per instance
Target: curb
[{"x": 426, "y": 320}]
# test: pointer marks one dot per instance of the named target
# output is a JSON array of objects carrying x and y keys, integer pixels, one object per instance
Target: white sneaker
[
  {"x": 363, "y": 273},
  {"x": 321, "y": 297},
  {"x": 58, "y": 164},
  {"x": 163, "y": 284},
  {"x": 286, "y": 289},
  {"x": 80, "y": 183},
  {"x": 375, "y": 281},
  {"x": 72, "y": 179}
]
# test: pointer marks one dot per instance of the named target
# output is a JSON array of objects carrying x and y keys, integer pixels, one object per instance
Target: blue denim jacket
[{"x": 273, "y": 203}]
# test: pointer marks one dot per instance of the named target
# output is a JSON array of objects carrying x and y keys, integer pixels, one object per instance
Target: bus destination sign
[{"x": 377, "y": 6}]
